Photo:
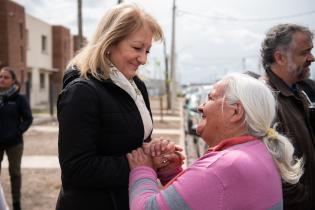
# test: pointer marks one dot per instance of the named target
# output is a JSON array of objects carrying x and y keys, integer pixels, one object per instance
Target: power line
[{"x": 226, "y": 18}]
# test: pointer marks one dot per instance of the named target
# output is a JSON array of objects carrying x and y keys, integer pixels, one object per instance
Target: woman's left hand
[
  {"x": 170, "y": 161},
  {"x": 139, "y": 158},
  {"x": 160, "y": 146}
]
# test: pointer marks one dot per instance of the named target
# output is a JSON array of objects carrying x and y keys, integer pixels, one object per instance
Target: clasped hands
[{"x": 159, "y": 154}]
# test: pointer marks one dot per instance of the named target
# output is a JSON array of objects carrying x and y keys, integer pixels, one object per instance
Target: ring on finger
[{"x": 164, "y": 160}]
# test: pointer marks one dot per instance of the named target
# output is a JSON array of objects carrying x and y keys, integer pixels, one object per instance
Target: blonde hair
[
  {"x": 117, "y": 24},
  {"x": 259, "y": 104}
]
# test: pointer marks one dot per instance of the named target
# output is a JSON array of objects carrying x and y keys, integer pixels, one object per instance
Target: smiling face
[
  {"x": 215, "y": 116},
  {"x": 131, "y": 52}
]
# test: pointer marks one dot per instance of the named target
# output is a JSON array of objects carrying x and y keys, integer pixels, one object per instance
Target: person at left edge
[
  {"x": 15, "y": 119},
  {"x": 104, "y": 111}
]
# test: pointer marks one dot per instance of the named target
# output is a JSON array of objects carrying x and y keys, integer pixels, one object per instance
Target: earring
[{"x": 107, "y": 53}]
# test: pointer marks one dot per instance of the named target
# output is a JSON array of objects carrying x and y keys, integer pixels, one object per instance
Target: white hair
[{"x": 259, "y": 105}]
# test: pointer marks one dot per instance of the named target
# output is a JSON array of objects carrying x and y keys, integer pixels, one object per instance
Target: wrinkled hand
[
  {"x": 174, "y": 160},
  {"x": 160, "y": 146},
  {"x": 164, "y": 153},
  {"x": 138, "y": 158}
]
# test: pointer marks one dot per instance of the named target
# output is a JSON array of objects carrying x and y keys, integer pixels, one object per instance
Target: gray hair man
[{"x": 286, "y": 57}]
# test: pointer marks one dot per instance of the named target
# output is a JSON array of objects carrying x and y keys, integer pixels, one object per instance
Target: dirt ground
[
  {"x": 41, "y": 143},
  {"x": 40, "y": 187}
]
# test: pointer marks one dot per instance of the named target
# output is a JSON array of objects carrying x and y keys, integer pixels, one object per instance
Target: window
[
  {"x": 21, "y": 30},
  {"x": 65, "y": 46},
  {"x": 22, "y": 54},
  {"x": 44, "y": 44},
  {"x": 29, "y": 79},
  {"x": 42, "y": 80},
  {"x": 27, "y": 40},
  {"x": 22, "y": 73}
]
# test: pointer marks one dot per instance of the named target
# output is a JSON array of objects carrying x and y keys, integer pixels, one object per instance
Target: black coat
[
  {"x": 15, "y": 119},
  {"x": 98, "y": 124}
]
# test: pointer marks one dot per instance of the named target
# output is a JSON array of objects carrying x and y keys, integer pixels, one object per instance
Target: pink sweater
[{"x": 242, "y": 177}]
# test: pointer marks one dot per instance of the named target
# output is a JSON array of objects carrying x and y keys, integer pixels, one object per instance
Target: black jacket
[
  {"x": 15, "y": 119},
  {"x": 98, "y": 124}
]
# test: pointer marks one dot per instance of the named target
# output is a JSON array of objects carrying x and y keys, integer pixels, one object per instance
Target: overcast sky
[{"x": 213, "y": 37}]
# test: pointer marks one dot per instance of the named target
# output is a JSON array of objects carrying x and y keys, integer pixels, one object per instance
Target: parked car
[{"x": 193, "y": 98}]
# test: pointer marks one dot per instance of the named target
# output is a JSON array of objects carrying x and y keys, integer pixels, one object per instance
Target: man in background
[{"x": 286, "y": 57}]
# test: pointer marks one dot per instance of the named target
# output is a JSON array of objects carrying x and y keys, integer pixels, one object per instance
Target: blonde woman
[{"x": 104, "y": 111}]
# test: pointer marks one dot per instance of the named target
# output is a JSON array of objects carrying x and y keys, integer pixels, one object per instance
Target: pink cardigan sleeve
[
  {"x": 167, "y": 175},
  {"x": 192, "y": 190}
]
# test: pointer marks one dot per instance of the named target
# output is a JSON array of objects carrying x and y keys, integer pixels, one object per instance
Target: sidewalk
[{"x": 169, "y": 124}]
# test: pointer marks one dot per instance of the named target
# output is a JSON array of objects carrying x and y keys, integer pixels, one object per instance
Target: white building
[{"x": 39, "y": 56}]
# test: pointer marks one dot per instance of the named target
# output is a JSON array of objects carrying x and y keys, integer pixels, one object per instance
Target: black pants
[{"x": 14, "y": 154}]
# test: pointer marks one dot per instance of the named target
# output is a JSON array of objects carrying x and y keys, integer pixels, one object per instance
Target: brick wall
[
  {"x": 13, "y": 39},
  {"x": 62, "y": 51},
  {"x": 4, "y": 58},
  {"x": 76, "y": 43}
]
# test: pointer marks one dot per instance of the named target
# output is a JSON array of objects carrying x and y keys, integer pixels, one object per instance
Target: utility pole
[
  {"x": 80, "y": 23},
  {"x": 173, "y": 61},
  {"x": 244, "y": 63},
  {"x": 260, "y": 67},
  {"x": 167, "y": 79}
]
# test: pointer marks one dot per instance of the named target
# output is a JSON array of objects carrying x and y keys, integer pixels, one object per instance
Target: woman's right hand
[
  {"x": 138, "y": 158},
  {"x": 164, "y": 153}
]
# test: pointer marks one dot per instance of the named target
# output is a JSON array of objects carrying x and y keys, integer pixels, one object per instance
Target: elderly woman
[
  {"x": 245, "y": 163},
  {"x": 104, "y": 111}
]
